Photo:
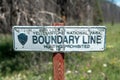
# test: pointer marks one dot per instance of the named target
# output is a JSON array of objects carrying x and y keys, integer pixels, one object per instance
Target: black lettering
[
  {"x": 98, "y": 39},
  {"x": 41, "y": 39},
  {"x": 53, "y": 39},
  {"x": 71, "y": 39},
  {"x": 65, "y": 39},
  {"x": 76, "y": 38},
  {"x": 34, "y": 39},
  {"x": 59, "y": 39},
  {"x": 93, "y": 39},
  {"x": 84, "y": 42},
  {"x": 47, "y": 39}
]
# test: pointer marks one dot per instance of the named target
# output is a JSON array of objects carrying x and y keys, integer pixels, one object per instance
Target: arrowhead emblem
[{"x": 22, "y": 38}]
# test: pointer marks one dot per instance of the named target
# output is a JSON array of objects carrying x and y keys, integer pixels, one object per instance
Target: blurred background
[{"x": 78, "y": 66}]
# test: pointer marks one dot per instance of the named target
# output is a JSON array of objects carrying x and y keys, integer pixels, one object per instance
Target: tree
[
  {"x": 112, "y": 8},
  {"x": 97, "y": 15}
]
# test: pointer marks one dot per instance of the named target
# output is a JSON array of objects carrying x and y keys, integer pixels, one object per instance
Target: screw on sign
[{"x": 58, "y": 61}]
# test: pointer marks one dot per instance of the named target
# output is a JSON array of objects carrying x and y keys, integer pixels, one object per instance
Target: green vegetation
[
  {"x": 97, "y": 16},
  {"x": 78, "y": 66}
]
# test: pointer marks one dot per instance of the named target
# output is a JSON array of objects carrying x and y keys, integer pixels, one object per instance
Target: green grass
[
  {"x": 78, "y": 66},
  {"x": 104, "y": 65}
]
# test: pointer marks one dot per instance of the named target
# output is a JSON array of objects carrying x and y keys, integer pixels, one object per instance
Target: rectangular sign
[{"x": 59, "y": 39}]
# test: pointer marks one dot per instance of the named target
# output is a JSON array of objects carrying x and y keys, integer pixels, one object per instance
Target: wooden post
[
  {"x": 58, "y": 57},
  {"x": 58, "y": 66},
  {"x": 58, "y": 62}
]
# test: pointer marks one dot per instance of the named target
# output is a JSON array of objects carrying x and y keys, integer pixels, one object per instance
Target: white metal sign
[{"x": 55, "y": 39}]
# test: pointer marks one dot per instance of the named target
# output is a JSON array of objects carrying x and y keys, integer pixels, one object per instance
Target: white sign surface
[{"x": 57, "y": 38}]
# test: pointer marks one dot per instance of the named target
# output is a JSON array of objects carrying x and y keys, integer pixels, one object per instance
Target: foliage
[
  {"x": 12, "y": 61},
  {"x": 97, "y": 16},
  {"x": 8, "y": 58}
]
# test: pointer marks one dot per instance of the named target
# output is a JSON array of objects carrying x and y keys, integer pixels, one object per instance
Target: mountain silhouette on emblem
[{"x": 22, "y": 38}]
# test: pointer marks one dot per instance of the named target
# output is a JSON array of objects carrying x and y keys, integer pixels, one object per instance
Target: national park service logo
[{"x": 22, "y": 38}]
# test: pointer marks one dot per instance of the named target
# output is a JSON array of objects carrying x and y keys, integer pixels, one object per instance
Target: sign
[{"x": 60, "y": 38}]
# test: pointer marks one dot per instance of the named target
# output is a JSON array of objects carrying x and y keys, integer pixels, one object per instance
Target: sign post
[
  {"x": 58, "y": 62},
  {"x": 58, "y": 66}
]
